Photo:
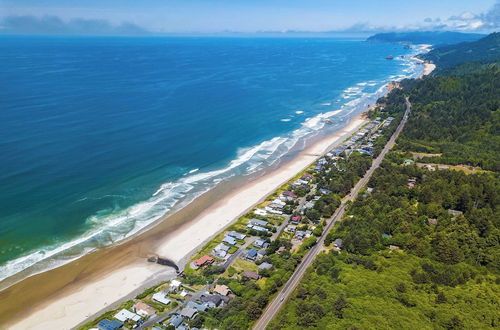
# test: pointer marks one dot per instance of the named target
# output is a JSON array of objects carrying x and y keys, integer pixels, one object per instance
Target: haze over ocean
[{"x": 101, "y": 136}]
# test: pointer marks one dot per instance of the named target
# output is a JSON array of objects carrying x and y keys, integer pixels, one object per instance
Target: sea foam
[{"x": 111, "y": 227}]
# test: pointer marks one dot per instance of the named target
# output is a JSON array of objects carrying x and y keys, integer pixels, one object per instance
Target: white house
[
  {"x": 125, "y": 315},
  {"x": 161, "y": 297}
]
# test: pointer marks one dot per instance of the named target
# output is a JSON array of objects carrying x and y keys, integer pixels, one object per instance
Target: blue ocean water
[{"x": 101, "y": 136}]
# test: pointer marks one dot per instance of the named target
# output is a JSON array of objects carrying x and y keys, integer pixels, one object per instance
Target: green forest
[{"x": 421, "y": 247}]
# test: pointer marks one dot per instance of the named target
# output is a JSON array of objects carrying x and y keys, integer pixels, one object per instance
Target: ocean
[{"x": 100, "y": 136}]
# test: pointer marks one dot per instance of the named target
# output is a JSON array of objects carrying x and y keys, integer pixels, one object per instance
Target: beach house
[
  {"x": 188, "y": 313},
  {"x": 125, "y": 315},
  {"x": 258, "y": 222},
  {"x": 222, "y": 289},
  {"x": 251, "y": 254},
  {"x": 144, "y": 309},
  {"x": 176, "y": 321},
  {"x": 204, "y": 261},
  {"x": 161, "y": 297},
  {"x": 229, "y": 240},
  {"x": 251, "y": 275},
  {"x": 109, "y": 325},
  {"x": 236, "y": 235}
]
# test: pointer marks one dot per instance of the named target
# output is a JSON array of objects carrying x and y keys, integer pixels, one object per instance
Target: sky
[{"x": 245, "y": 16}]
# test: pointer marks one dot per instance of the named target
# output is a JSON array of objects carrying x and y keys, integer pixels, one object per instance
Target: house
[
  {"x": 273, "y": 211},
  {"x": 257, "y": 222},
  {"x": 220, "y": 254},
  {"x": 393, "y": 247},
  {"x": 299, "y": 234},
  {"x": 291, "y": 228},
  {"x": 176, "y": 321},
  {"x": 236, "y": 235},
  {"x": 197, "y": 306},
  {"x": 188, "y": 313},
  {"x": 161, "y": 297},
  {"x": 290, "y": 194},
  {"x": 252, "y": 254},
  {"x": 276, "y": 206},
  {"x": 229, "y": 240},
  {"x": 307, "y": 177},
  {"x": 125, "y": 315},
  {"x": 175, "y": 285},
  {"x": 309, "y": 205},
  {"x": 411, "y": 182},
  {"x": 222, "y": 247},
  {"x": 212, "y": 298},
  {"x": 251, "y": 275},
  {"x": 109, "y": 325},
  {"x": 260, "y": 243},
  {"x": 318, "y": 168},
  {"x": 337, "y": 243},
  {"x": 408, "y": 162},
  {"x": 265, "y": 265},
  {"x": 278, "y": 201},
  {"x": 222, "y": 289},
  {"x": 432, "y": 221},
  {"x": 280, "y": 249},
  {"x": 260, "y": 212},
  {"x": 144, "y": 309},
  {"x": 204, "y": 261},
  {"x": 324, "y": 191},
  {"x": 296, "y": 219},
  {"x": 258, "y": 228}
]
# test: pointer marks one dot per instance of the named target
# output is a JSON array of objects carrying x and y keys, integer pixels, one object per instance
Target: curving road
[{"x": 278, "y": 302}]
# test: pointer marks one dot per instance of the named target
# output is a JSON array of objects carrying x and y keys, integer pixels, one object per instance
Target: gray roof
[
  {"x": 188, "y": 312},
  {"x": 258, "y": 222},
  {"x": 252, "y": 253},
  {"x": 259, "y": 228},
  {"x": 222, "y": 247},
  {"x": 176, "y": 320},
  {"x": 265, "y": 265},
  {"x": 236, "y": 235},
  {"x": 229, "y": 240},
  {"x": 195, "y": 305}
]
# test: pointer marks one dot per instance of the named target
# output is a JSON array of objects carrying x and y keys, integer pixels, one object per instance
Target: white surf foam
[{"x": 109, "y": 227}]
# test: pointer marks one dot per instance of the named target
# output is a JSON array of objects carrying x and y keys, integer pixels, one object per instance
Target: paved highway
[{"x": 278, "y": 302}]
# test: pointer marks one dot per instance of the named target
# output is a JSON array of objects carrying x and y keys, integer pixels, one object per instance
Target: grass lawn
[{"x": 240, "y": 265}]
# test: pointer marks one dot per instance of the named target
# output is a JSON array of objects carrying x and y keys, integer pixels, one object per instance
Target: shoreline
[{"x": 100, "y": 280}]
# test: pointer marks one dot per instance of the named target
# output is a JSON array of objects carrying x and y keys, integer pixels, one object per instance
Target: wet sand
[{"x": 66, "y": 296}]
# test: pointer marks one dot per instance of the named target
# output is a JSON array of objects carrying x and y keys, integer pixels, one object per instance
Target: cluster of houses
[
  {"x": 140, "y": 311},
  {"x": 250, "y": 242}
]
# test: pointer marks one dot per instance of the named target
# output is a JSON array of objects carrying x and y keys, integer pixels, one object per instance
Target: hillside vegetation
[
  {"x": 421, "y": 248},
  {"x": 483, "y": 51}
]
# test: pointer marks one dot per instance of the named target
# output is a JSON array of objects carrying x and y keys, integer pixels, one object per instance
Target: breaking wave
[{"x": 109, "y": 226}]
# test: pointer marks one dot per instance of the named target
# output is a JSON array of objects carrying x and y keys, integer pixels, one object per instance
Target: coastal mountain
[
  {"x": 484, "y": 51},
  {"x": 426, "y": 37}
]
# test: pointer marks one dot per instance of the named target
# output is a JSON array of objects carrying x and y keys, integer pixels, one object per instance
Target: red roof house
[{"x": 205, "y": 260}]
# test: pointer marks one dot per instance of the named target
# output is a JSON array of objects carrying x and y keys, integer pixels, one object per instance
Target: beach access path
[{"x": 283, "y": 295}]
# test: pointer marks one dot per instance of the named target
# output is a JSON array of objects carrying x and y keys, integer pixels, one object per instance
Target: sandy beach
[{"x": 90, "y": 284}]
